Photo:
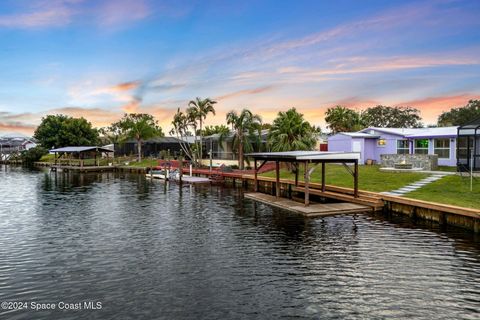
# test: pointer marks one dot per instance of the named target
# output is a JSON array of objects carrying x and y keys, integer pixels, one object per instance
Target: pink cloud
[
  {"x": 432, "y": 107},
  {"x": 119, "y": 12},
  {"x": 41, "y": 14}
]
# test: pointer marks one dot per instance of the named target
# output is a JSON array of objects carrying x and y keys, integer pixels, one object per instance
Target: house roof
[
  {"x": 81, "y": 149},
  {"x": 360, "y": 135},
  {"x": 15, "y": 141},
  {"x": 13, "y": 135},
  {"x": 417, "y": 132}
]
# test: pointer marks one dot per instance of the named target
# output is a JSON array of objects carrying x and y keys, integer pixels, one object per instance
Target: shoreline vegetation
[{"x": 288, "y": 131}]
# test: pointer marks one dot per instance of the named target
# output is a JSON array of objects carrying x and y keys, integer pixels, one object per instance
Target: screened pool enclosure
[{"x": 468, "y": 146}]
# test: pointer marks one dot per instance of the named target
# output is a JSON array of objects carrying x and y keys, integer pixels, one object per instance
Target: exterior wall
[
  {"x": 371, "y": 149},
  {"x": 389, "y": 148},
  {"x": 451, "y": 161},
  {"x": 340, "y": 142}
]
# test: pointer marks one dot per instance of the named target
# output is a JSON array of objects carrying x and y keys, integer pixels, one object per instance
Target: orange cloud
[
  {"x": 97, "y": 116},
  {"x": 125, "y": 86},
  {"x": 432, "y": 107},
  {"x": 17, "y": 127},
  {"x": 132, "y": 106}
]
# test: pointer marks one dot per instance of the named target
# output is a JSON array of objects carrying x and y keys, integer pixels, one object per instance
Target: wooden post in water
[
  {"x": 180, "y": 168},
  {"x": 277, "y": 176},
  {"x": 307, "y": 184},
  {"x": 256, "y": 175},
  {"x": 355, "y": 182},
  {"x": 323, "y": 176}
]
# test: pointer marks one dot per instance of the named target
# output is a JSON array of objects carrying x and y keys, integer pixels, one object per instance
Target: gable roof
[
  {"x": 360, "y": 135},
  {"x": 417, "y": 132}
]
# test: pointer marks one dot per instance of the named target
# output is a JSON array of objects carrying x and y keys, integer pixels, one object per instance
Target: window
[
  {"x": 442, "y": 148},
  {"x": 421, "y": 146},
  {"x": 402, "y": 147},
  {"x": 381, "y": 142}
]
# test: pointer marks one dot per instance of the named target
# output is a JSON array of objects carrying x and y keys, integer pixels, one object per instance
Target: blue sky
[{"x": 99, "y": 59}]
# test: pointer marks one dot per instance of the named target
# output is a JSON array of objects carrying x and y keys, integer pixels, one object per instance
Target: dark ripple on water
[{"x": 150, "y": 250}]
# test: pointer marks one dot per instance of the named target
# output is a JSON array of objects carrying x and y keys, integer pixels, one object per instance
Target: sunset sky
[{"x": 99, "y": 59}]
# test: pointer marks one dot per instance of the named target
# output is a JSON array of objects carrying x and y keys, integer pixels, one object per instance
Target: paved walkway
[{"x": 417, "y": 185}]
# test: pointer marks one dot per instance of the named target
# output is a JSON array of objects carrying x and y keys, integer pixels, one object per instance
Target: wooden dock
[
  {"x": 81, "y": 169},
  {"x": 311, "y": 211}
]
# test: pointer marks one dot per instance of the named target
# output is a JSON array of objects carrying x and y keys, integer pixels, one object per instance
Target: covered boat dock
[
  {"x": 83, "y": 158},
  {"x": 307, "y": 159}
]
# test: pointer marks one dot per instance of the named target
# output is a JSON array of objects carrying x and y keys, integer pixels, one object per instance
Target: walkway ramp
[{"x": 311, "y": 211}]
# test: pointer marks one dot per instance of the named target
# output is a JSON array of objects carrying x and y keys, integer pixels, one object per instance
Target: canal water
[{"x": 150, "y": 250}]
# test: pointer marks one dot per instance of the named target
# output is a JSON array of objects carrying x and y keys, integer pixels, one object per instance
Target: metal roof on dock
[{"x": 305, "y": 155}]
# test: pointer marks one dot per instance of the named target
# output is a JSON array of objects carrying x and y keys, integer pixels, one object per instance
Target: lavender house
[{"x": 371, "y": 143}]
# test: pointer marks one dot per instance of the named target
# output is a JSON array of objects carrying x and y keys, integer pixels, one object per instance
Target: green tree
[
  {"x": 139, "y": 126},
  {"x": 61, "y": 131},
  {"x": 246, "y": 126},
  {"x": 111, "y": 134},
  {"x": 342, "y": 119},
  {"x": 199, "y": 109},
  {"x": 211, "y": 130},
  {"x": 392, "y": 117},
  {"x": 33, "y": 154},
  {"x": 461, "y": 115},
  {"x": 181, "y": 129},
  {"x": 290, "y": 132}
]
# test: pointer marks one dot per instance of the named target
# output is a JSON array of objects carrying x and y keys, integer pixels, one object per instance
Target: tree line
[
  {"x": 288, "y": 131},
  {"x": 343, "y": 119}
]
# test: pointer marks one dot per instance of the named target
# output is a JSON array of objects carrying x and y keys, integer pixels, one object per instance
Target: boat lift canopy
[{"x": 307, "y": 158}]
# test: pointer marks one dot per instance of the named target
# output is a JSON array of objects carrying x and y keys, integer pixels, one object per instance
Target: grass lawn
[
  {"x": 447, "y": 169},
  {"x": 453, "y": 190},
  {"x": 47, "y": 158},
  {"x": 370, "y": 177},
  {"x": 144, "y": 163}
]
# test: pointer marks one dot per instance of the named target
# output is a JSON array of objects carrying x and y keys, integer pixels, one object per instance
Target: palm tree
[
  {"x": 139, "y": 126},
  {"x": 290, "y": 132},
  {"x": 244, "y": 125},
  {"x": 181, "y": 124},
  {"x": 200, "y": 108}
]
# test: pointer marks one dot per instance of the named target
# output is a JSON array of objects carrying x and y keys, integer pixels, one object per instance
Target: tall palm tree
[
  {"x": 290, "y": 132},
  {"x": 181, "y": 124},
  {"x": 200, "y": 108},
  {"x": 244, "y": 125}
]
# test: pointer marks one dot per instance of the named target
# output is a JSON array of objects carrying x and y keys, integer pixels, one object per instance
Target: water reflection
[{"x": 148, "y": 249}]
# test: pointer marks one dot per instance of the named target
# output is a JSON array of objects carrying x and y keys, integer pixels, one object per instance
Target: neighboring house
[
  {"x": 11, "y": 143},
  {"x": 223, "y": 147},
  {"x": 322, "y": 142},
  {"x": 373, "y": 142},
  {"x": 151, "y": 147}
]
